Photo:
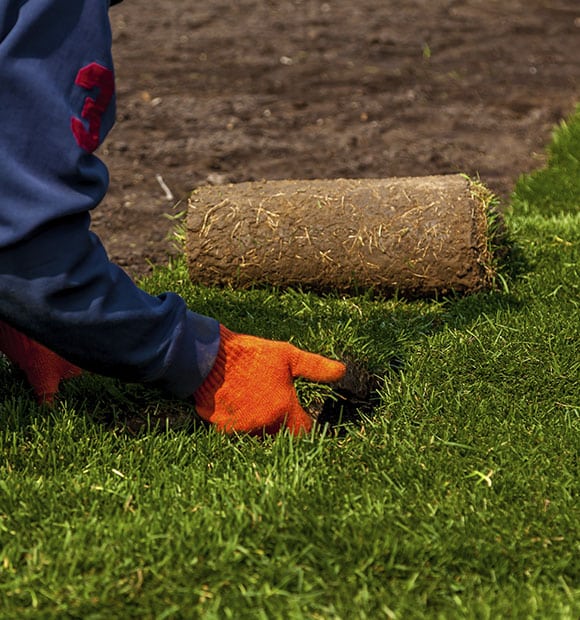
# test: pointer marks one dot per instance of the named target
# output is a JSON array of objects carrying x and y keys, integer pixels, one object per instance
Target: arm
[{"x": 57, "y": 285}]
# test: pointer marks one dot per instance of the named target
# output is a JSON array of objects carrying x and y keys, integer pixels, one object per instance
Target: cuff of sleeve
[
  {"x": 196, "y": 351},
  {"x": 216, "y": 376}
]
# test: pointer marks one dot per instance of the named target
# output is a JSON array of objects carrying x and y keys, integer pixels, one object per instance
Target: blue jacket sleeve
[{"x": 56, "y": 282}]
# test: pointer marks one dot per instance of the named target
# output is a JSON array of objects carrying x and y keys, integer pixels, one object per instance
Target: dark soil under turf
[{"x": 237, "y": 90}]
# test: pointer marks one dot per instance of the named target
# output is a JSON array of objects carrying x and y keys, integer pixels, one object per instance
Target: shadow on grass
[{"x": 389, "y": 325}]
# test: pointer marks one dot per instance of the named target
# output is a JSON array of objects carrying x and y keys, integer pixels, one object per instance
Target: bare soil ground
[{"x": 238, "y": 90}]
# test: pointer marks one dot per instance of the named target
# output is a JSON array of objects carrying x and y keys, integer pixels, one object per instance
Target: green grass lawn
[{"x": 457, "y": 498}]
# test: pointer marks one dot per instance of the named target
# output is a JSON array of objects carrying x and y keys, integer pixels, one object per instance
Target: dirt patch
[
  {"x": 353, "y": 398},
  {"x": 230, "y": 91}
]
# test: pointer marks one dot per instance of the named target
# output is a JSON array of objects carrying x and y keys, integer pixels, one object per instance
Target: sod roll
[{"x": 417, "y": 236}]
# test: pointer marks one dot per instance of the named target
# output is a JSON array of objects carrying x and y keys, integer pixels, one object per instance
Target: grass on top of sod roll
[{"x": 455, "y": 497}]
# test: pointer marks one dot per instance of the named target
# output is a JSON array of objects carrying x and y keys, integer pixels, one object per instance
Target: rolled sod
[{"x": 416, "y": 236}]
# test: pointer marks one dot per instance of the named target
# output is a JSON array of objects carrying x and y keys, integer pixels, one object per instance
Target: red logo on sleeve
[{"x": 87, "y": 131}]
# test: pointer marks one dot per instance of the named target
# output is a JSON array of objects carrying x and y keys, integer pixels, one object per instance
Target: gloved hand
[
  {"x": 250, "y": 388},
  {"x": 43, "y": 368}
]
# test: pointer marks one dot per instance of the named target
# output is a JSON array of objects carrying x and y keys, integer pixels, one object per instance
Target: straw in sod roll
[{"x": 417, "y": 236}]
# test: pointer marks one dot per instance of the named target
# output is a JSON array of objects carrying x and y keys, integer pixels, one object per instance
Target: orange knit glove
[
  {"x": 250, "y": 388},
  {"x": 43, "y": 368}
]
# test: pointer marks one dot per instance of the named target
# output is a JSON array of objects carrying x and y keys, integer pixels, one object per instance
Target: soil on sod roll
[{"x": 415, "y": 236}]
